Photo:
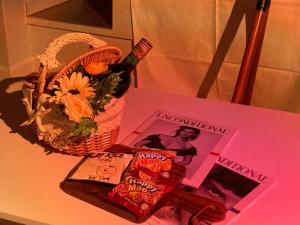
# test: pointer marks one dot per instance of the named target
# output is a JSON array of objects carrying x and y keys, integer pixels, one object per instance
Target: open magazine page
[
  {"x": 230, "y": 183},
  {"x": 197, "y": 143},
  {"x": 244, "y": 182}
]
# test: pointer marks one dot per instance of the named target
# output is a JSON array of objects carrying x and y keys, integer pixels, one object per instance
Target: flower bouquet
[{"x": 73, "y": 109}]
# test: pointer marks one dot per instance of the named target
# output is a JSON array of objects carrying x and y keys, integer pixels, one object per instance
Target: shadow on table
[{"x": 13, "y": 113}]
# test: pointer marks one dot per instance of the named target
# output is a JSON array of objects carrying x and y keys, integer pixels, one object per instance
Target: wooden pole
[
  {"x": 250, "y": 84},
  {"x": 245, "y": 82}
]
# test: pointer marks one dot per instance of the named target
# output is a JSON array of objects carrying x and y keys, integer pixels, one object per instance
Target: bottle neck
[
  {"x": 139, "y": 51},
  {"x": 130, "y": 62}
]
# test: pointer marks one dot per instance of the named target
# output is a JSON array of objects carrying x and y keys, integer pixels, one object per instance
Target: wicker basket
[{"x": 108, "y": 121}]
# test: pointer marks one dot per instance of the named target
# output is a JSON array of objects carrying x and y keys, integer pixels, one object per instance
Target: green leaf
[
  {"x": 104, "y": 88},
  {"x": 109, "y": 83},
  {"x": 84, "y": 128}
]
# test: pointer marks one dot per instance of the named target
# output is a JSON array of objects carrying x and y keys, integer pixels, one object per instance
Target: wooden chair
[{"x": 246, "y": 78}]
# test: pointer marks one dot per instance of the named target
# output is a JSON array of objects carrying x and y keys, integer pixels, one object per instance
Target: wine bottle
[{"x": 126, "y": 66}]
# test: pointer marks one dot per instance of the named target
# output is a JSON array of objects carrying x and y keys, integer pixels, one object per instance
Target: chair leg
[
  {"x": 252, "y": 76},
  {"x": 251, "y": 56}
]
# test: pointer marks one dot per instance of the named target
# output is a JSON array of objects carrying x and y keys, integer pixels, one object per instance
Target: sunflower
[
  {"x": 76, "y": 85},
  {"x": 73, "y": 93}
]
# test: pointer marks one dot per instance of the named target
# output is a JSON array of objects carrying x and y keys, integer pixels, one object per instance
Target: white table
[{"x": 267, "y": 140}]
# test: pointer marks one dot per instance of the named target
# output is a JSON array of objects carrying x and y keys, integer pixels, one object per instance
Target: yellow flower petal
[
  {"x": 84, "y": 81},
  {"x": 78, "y": 78},
  {"x": 64, "y": 84},
  {"x": 73, "y": 79},
  {"x": 75, "y": 82},
  {"x": 76, "y": 108}
]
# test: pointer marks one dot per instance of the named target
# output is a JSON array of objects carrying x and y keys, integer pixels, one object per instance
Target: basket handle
[{"x": 48, "y": 58}]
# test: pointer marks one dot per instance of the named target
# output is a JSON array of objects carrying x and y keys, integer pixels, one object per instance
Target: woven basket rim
[{"x": 109, "y": 54}]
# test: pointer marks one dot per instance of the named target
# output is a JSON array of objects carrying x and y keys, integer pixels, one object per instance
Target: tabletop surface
[{"x": 267, "y": 140}]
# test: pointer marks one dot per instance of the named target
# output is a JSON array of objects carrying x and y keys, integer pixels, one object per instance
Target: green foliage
[
  {"x": 84, "y": 128},
  {"x": 104, "y": 85},
  {"x": 104, "y": 88}
]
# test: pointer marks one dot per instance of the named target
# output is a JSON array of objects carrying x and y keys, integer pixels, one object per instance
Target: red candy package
[
  {"x": 137, "y": 195},
  {"x": 157, "y": 161},
  {"x": 145, "y": 182}
]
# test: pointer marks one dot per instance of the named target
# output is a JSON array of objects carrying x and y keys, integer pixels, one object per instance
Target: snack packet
[
  {"x": 137, "y": 195},
  {"x": 157, "y": 161},
  {"x": 145, "y": 181},
  {"x": 107, "y": 167}
]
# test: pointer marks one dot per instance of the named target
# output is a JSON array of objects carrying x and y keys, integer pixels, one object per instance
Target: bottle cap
[{"x": 142, "y": 48}]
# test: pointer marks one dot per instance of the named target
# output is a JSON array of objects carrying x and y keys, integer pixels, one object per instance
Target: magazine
[
  {"x": 197, "y": 143},
  {"x": 228, "y": 182}
]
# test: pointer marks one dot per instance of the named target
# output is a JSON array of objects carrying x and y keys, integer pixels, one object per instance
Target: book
[
  {"x": 233, "y": 184},
  {"x": 197, "y": 143}
]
